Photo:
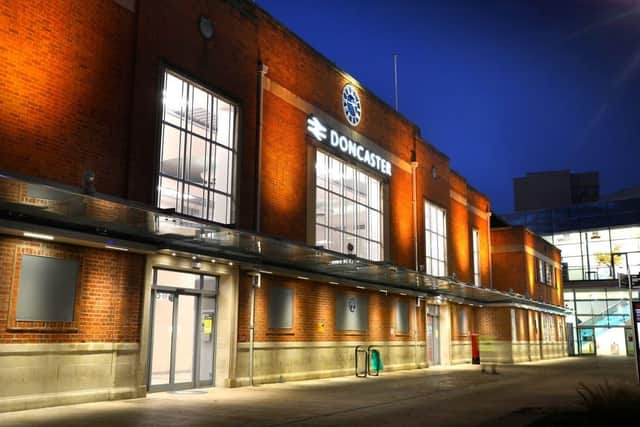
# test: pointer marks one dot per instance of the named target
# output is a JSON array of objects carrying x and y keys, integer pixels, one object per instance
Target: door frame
[
  {"x": 199, "y": 294},
  {"x": 595, "y": 347}
]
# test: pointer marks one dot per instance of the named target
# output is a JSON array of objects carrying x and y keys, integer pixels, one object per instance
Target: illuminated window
[
  {"x": 198, "y": 151},
  {"x": 475, "y": 238},
  {"x": 349, "y": 216},
  {"x": 435, "y": 224},
  {"x": 541, "y": 271}
]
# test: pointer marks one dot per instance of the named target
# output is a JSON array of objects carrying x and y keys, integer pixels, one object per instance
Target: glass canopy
[{"x": 115, "y": 223}]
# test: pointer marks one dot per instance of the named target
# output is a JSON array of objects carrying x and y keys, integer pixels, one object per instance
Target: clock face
[{"x": 351, "y": 105}]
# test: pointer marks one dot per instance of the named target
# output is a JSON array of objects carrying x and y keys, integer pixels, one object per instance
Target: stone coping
[
  {"x": 85, "y": 347},
  {"x": 262, "y": 345}
]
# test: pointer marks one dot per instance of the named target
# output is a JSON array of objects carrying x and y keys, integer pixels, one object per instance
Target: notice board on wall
[{"x": 352, "y": 312}]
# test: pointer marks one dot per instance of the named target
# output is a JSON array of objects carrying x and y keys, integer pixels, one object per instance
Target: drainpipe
[
  {"x": 414, "y": 168},
  {"x": 490, "y": 250},
  {"x": 262, "y": 71},
  {"x": 415, "y": 332},
  {"x": 255, "y": 283}
]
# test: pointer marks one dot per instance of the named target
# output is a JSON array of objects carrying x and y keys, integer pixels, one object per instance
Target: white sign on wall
[{"x": 340, "y": 142}]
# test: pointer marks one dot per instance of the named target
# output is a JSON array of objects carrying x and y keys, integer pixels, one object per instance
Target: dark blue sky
[{"x": 503, "y": 87}]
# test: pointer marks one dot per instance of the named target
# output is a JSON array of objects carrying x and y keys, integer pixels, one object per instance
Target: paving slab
[{"x": 455, "y": 396}]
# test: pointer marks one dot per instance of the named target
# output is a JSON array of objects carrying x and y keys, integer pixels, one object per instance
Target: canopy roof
[{"x": 100, "y": 220}]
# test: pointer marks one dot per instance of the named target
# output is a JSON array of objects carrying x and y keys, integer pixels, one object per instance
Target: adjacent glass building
[{"x": 598, "y": 241}]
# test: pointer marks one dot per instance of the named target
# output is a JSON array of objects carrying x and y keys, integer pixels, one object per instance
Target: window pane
[
  {"x": 349, "y": 216},
  {"x": 171, "y": 151},
  {"x": 375, "y": 252},
  {"x": 374, "y": 194},
  {"x": 363, "y": 188},
  {"x": 223, "y": 170},
  {"x": 199, "y": 112},
  {"x": 321, "y": 236},
  {"x": 321, "y": 206},
  {"x": 335, "y": 240},
  {"x": 363, "y": 248},
  {"x": 198, "y": 163},
  {"x": 363, "y": 229},
  {"x": 195, "y": 201},
  {"x": 349, "y": 182},
  {"x": 174, "y": 100},
  {"x": 221, "y": 207},
  {"x": 322, "y": 170},
  {"x": 374, "y": 225},
  {"x": 335, "y": 175},
  {"x": 335, "y": 211},
  {"x": 224, "y": 123},
  {"x": 350, "y": 239},
  {"x": 168, "y": 197}
]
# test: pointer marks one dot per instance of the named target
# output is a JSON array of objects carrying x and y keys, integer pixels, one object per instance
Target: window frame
[
  {"x": 440, "y": 236},
  {"x": 343, "y": 198},
  {"x": 182, "y": 182},
  {"x": 15, "y": 325},
  {"x": 475, "y": 255}
]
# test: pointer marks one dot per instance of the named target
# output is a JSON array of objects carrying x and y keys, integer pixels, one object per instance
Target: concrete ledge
[
  {"x": 89, "y": 347},
  {"x": 300, "y": 376},
  {"x": 33, "y": 401}
]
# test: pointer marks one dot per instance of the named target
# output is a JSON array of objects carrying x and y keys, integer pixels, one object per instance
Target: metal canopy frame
[{"x": 104, "y": 220}]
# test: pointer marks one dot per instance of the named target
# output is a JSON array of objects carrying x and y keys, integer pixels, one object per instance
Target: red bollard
[{"x": 475, "y": 349}]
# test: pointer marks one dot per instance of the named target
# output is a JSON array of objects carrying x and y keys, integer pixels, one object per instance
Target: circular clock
[{"x": 351, "y": 105}]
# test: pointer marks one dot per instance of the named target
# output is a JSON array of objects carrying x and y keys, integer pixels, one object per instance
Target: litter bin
[{"x": 376, "y": 362}]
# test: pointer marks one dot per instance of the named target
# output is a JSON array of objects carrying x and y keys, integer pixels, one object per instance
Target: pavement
[{"x": 453, "y": 396}]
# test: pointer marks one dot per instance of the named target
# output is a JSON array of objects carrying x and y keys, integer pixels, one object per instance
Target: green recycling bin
[{"x": 376, "y": 361}]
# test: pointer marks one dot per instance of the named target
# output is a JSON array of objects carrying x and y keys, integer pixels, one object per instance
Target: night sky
[{"x": 503, "y": 87}]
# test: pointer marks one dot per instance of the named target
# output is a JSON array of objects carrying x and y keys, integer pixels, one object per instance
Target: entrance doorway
[
  {"x": 433, "y": 334},
  {"x": 586, "y": 341},
  {"x": 183, "y": 307}
]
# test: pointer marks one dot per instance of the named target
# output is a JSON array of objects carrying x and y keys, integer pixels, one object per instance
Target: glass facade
[
  {"x": 197, "y": 151},
  {"x": 349, "y": 214},
  {"x": 599, "y": 320},
  {"x": 587, "y": 234},
  {"x": 435, "y": 236},
  {"x": 587, "y": 255}
]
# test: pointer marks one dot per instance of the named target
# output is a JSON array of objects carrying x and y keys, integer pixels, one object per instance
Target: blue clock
[{"x": 351, "y": 105}]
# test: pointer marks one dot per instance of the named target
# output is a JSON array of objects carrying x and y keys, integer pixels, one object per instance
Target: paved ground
[{"x": 459, "y": 396}]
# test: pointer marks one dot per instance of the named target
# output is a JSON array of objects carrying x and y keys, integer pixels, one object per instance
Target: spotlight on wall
[{"x": 173, "y": 254}]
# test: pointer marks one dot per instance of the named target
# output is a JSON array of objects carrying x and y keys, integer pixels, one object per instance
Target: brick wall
[
  {"x": 168, "y": 35},
  {"x": 314, "y": 313},
  {"x": 109, "y": 302},
  {"x": 515, "y": 267},
  {"x": 65, "y": 79}
]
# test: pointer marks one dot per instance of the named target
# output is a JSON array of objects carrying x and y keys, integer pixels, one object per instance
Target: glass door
[
  {"x": 183, "y": 331},
  {"x": 162, "y": 338},
  {"x": 587, "y": 343},
  {"x": 185, "y": 327}
]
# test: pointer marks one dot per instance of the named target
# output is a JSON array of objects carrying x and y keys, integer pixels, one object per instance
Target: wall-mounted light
[
  {"x": 206, "y": 28},
  {"x": 116, "y": 248},
  {"x": 37, "y": 235}
]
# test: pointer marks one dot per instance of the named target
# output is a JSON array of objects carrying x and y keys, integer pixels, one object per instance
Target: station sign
[{"x": 339, "y": 142}]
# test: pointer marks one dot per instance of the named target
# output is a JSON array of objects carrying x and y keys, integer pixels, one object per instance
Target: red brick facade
[
  {"x": 108, "y": 295},
  {"x": 81, "y": 85},
  {"x": 315, "y": 309}
]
